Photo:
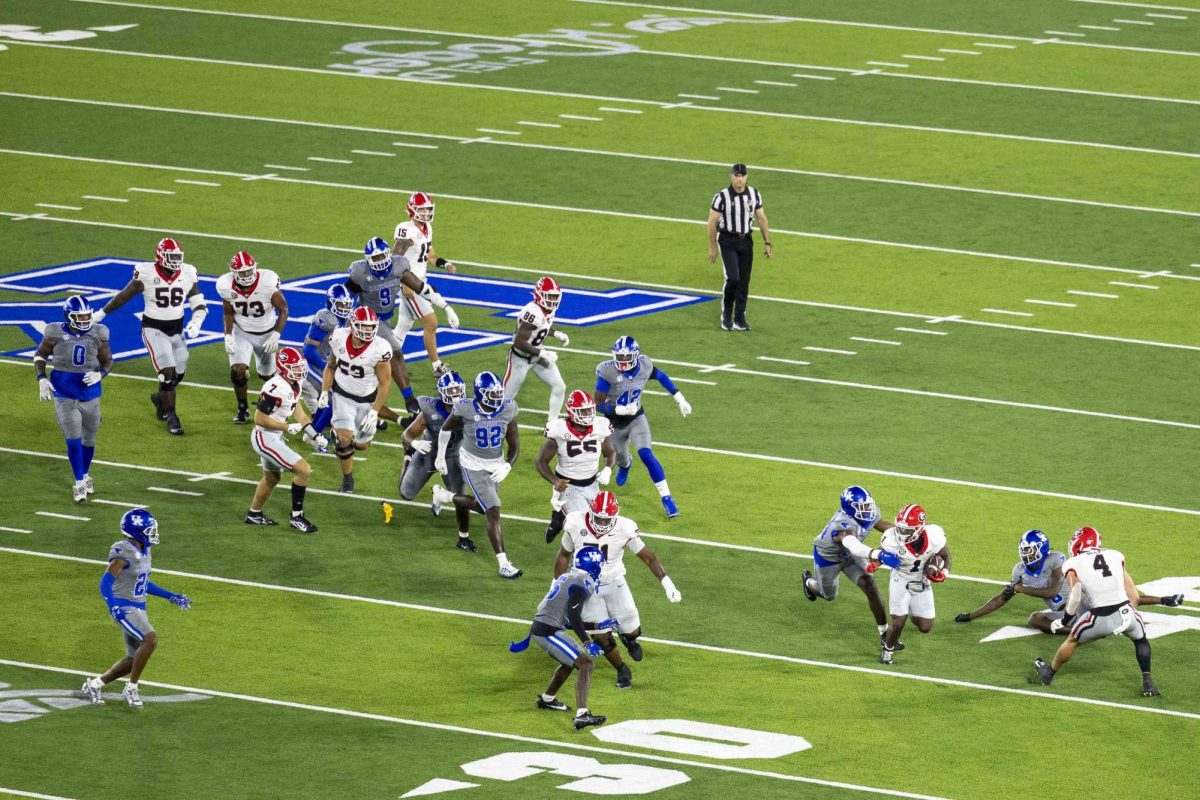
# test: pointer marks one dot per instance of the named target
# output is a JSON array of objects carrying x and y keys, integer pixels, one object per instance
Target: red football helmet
[
  {"x": 1085, "y": 539},
  {"x": 420, "y": 207},
  {"x": 363, "y": 323},
  {"x": 168, "y": 255},
  {"x": 910, "y": 523},
  {"x": 581, "y": 409},
  {"x": 291, "y": 364},
  {"x": 547, "y": 293},
  {"x": 602, "y": 514},
  {"x": 244, "y": 268}
]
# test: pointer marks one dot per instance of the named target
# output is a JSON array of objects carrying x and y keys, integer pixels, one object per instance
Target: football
[{"x": 934, "y": 565}]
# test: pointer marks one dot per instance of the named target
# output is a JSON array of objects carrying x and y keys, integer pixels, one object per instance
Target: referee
[{"x": 730, "y": 219}]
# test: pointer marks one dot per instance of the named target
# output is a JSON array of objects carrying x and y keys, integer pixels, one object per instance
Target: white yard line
[
  {"x": 1133, "y": 22},
  {"x": 1099, "y": 27},
  {"x": 116, "y": 503},
  {"x": 1167, "y": 16},
  {"x": 923, "y": 58},
  {"x": 539, "y": 124},
  {"x": 889, "y": 64},
  {"x": 776, "y": 83},
  {"x": 374, "y": 153},
  {"x": 498, "y": 131},
  {"x": 330, "y": 160},
  {"x": 585, "y": 118},
  {"x": 197, "y": 183},
  {"x": 285, "y": 167},
  {"x": 1082, "y": 293},
  {"x": 421, "y": 146},
  {"x": 959, "y": 52},
  {"x": 166, "y": 490},
  {"x": 922, "y": 330},
  {"x": 71, "y": 517},
  {"x": 785, "y": 361},
  {"x": 60, "y": 207},
  {"x": 739, "y": 91},
  {"x": 15, "y": 530},
  {"x": 1064, "y": 33},
  {"x": 106, "y": 199},
  {"x": 831, "y": 350},
  {"x": 1009, "y": 313},
  {"x": 149, "y": 191},
  {"x": 995, "y": 45},
  {"x": 1051, "y": 303},
  {"x": 698, "y": 96},
  {"x": 1056, "y": 89},
  {"x": 1133, "y": 285},
  {"x": 876, "y": 341},
  {"x": 37, "y": 795},
  {"x": 622, "y": 110},
  {"x": 813, "y": 77}
]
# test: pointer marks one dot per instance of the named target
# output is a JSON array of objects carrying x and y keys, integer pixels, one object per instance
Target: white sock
[
  {"x": 95, "y": 682},
  {"x": 464, "y": 535},
  {"x": 882, "y": 629},
  {"x": 548, "y": 698},
  {"x": 133, "y": 685},
  {"x": 663, "y": 491},
  {"x": 581, "y": 712},
  {"x": 503, "y": 559}
]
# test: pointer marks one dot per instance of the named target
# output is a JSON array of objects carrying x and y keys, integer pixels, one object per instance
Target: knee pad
[
  {"x": 607, "y": 645},
  {"x": 344, "y": 452},
  {"x": 628, "y": 638},
  {"x": 238, "y": 381}
]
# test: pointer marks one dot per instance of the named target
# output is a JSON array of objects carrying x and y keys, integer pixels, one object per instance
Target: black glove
[
  {"x": 1173, "y": 601},
  {"x": 963, "y": 617},
  {"x": 1068, "y": 620},
  {"x": 1008, "y": 591}
]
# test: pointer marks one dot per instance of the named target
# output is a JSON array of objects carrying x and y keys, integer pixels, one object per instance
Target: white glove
[
  {"x": 451, "y": 318},
  {"x": 501, "y": 472},
  {"x": 605, "y": 475},
  {"x": 323, "y": 400},
  {"x": 557, "y": 500},
  {"x": 98, "y": 316},
  {"x": 626, "y": 411},
  {"x": 230, "y": 344},
  {"x": 669, "y": 587},
  {"x": 562, "y": 337},
  {"x": 422, "y": 446},
  {"x": 45, "y": 389},
  {"x": 272, "y": 342},
  {"x": 685, "y": 407},
  {"x": 191, "y": 331},
  {"x": 294, "y": 428},
  {"x": 368, "y": 423},
  {"x": 549, "y": 357},
  {"x": 439, "y": 463},
  {"x": 93, "y": 377},
  {"x": 315, "y": 439}
]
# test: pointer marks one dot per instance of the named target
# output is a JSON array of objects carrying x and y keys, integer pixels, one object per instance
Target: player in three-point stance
[
  {"x": 356, "y": 381},
  {"x": 560, "y": 610},
  {"x": 423, "y": 436},
  {"x": 124, "y": 587},
  {"x": 254, "y": 312},
  {"x": 165, "y": 285},
  {"x": 579, "y": 441},
  {"x": 488, "y": 422},
  {"x": 378, "y": 283},
  {"x": 277, "y": 402},
  {"x": 534, "y": 323},
  {"x": 924, "y": 560},
  {"x": 620, "y": 383},
  {"x": 339, "y": 303},
  {"x": 81, "y": 355},
  {"x": 414, "y": 243},
  {"x": 1098, "y": 576},
  {"x": 1039, "y": 573},
  {"x": 839, "y": 548},
  {"x": 602, "y": 526}
]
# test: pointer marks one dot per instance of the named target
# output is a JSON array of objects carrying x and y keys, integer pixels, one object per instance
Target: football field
[{"x": 983, "y": 298}]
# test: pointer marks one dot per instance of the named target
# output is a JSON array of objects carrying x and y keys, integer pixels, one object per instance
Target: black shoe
[
  {"x": 883, "y": 641},
  {"x": 465, "y": 543},
  {"x": 173, "y": 425},
  {"x": 301, "y": 524},
  {"x": 1046, "y": 672},
  {"x": 1173, "y": 601},
  {"x": 624, "y": 677},
  {"x": 741, "y": 324},
  {"x": 1149, "y": 688},
  {"x": 726, "y": 325},
  {"x": 809, "y": 593},
  {"x": 381, "y": 424},
  {"x": 258, "y": 518},
  {"x": 159, "y": 412},
  {"x": 551, "y": 534},
  {"x": 243, "y": 415},
  {"x": 347, "y": 484},
  {"x": 411, "y": 405},
  {"x": 635, "y": 649},
  {"x": 584, "y": 720},
  {"x": 552, "y": 705}
]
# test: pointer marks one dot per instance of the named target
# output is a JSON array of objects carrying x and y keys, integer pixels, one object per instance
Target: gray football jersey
[
  {"x": 552, "y": 610},
  {"x": 1054, "y": 560},
  {"x": 843, "y": 524},
  {"x": 432, "y": 412},
  {"x": 75, "y": 352},
  {"x": 381, "y": 295},
  {"x": 483, "y": 436},
  {"x": 625, "y": 388},
  {"x": 327, "y": 321},
  {"x": 130, "y": 584}
]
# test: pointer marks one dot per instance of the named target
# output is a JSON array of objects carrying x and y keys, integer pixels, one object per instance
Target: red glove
[
  {"x": 937, "y": 577},
  {"x": 872, "y": 566}
]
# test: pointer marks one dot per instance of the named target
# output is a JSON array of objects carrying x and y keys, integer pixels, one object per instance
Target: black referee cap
[{"x": 738, "y": 169}]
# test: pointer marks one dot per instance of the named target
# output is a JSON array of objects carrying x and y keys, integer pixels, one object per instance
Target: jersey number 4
[
  {"x": 168, "y": 296},
  {"x": 1102, "y": 566}
]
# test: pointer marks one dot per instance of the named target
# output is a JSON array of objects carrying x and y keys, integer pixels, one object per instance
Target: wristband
[{"x": 441, "y": 263}]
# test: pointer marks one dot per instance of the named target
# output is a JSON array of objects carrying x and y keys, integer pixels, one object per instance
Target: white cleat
[
  {"x": 511, "y": 572},
  {"x": 88, "y": 484},
  {"x": 79, "y": 492},
  {"x": 441, "y": 497},
  {"x": 92, "y": 692},
  {"x": 131, "y": 695}
]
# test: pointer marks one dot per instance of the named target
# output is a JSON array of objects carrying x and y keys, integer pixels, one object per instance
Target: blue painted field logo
[
  {"x": 22, "y": 705},
  {"x": 101, "y": 278}
]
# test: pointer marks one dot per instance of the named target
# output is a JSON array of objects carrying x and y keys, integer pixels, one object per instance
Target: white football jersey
[
  {"x": 285, "y": 397},
  {"x": 578, "y": 455},
  {"x": 252, "y": 309},
  {"x": 418, "y": 252},
  {"x": 539, "y": 318},
  {"x": 912, "y": 561},
  {"x": 165, "y": 296},
  {"x": 354, "y": 371},
  {"x": 1102, "y": 575},
  {"x": 624, "y": 536}
]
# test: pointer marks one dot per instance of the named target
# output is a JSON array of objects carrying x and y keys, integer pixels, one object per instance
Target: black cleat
[
  {"x": 726, "y": 325},
  {"x": 174, "y": 427},
  {"x": 809, "y": 593},
  {"x": 258, "y": 518},
  {"x": 741, "y": 324},
  {"x": 243, "y": 415},
  {"x": 411, "y": 405},
  {"x": 885, "y": 655},
  {"x": 584, "y": 720},
  {"x": 635, "y": 649},
  {"x": 159, "y": 412},
  {"x": 1172, "y": 601},
  {"x": 552, "y": 705},
  {"x": 1046, "y": 672},
  {"x": 465, "y": 543},
  {"x": 301, "y": 524},
  {"x": 550, "y": 534},
  {"x": 1149, "y": 688},
  {"x": 381, "y": 424},
  {"x": 883, "y": 641},
  {"x": 624, "y": 677},
  {"x": 347, "y": 484}
]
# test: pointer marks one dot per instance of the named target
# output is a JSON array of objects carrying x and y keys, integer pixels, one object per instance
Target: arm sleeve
[
  {"x": 267, "y": 404},
  {"x": 575, "y": 612},
  {"x": 854, "y": 547},
  {"x": 156, "y": 590},
  {"x": 353, "y": 287},
  {"x": 664, "y": 379},
  {"x": 106, "y": 588}
]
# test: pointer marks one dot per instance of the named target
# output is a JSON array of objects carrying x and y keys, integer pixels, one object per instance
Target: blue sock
[
  {"x": 322, "y": 417},
  {"x": 406, "y": 392},
  {"x": 75, "y": 456},
  {"x": 88, "y": 452},
  {"x": 652, "y": 466}
]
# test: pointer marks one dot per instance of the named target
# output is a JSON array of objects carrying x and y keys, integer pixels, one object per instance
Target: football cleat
[
  {"x": 883, "y": 643},
  {"x": 91, "y": 489},
  {"x": 442, "y": 497},
  {"x": 465, "y": 544},
  {"x": 726, "y": 325},
  {"x": 669, "y": 506},
  {"x": 79, "y": 492},
  {"x": 1170, "y": 601},
  {"x": 91, "y": 693},
  {"x": 623, "y": 473},
  {"x": 130, "y": 693},
  {"x": 174, "y": 427},
  {"x": 511, "y": 572},
  {"x": 159, "y": 411},
  {"x": 585, "y": 720},
  {"x": 631, "y": 644},
  {"x": 1085, "y": 539},
  {"x": 1149, "y": 687},
  {"x": 243, "y": 415},
  {"x": 741, "y": 325},
  {"x": 258, "y": 518},
  {"x": 1044, "y": 671},
  {"x": 808, "y": 593},
  {"x": 381, "y": 424},
  {"x": 301, "y": 524},
  {"x": 347, "y": 484},
  {"x": 78, "y": 313},
  {"x": 624, "y": 677},
  {"x": 552, "y": 705},
  {"x": 885, "y": 655}
]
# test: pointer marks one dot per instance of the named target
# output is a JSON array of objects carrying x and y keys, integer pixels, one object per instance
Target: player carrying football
[
  {"x": 254, "y": 314},
  {"x": 924, "y": 560},
  {"x": 414, "y": 243},
  {"x": 534, "y": 323},
  {"x": 579, "y": 441}
]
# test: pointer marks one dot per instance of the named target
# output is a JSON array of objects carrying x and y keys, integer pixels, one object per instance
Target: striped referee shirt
[{"x": 736, "y": 209}]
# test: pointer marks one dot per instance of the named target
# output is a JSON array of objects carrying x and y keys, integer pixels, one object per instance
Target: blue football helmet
[
  {"x": 379, "y": 256},
  {"x": 141, "y": 526},
  {"x": 858, "y": 504},
  {"x": 340, "y": 301},
  {"x": 451, "y": 388},
  {"x": 1034, "y": 547},
  {"x": 78, "y": 313},
  {"x": 489, "y": 392},
  {"x": 625, "y": 352},
  {"x": 590, "y": 560}
]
